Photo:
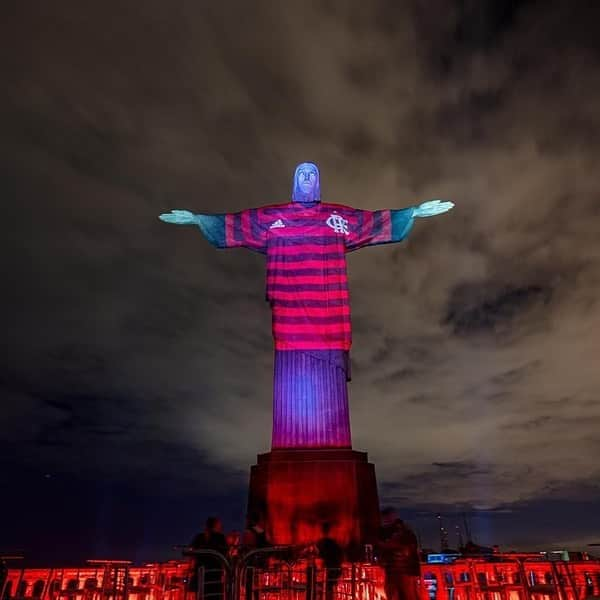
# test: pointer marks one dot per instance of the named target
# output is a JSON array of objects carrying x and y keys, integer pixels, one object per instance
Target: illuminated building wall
[{"x": 508, "y": 577}]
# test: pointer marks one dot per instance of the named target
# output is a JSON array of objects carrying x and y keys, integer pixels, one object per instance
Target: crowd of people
[{"x": 396, "y": 551}]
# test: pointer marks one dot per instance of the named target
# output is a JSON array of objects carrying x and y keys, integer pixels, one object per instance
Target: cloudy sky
[{"x": 136, "y": 360}]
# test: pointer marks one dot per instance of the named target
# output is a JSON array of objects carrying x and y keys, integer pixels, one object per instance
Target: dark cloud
[
  {"x": 475, "y": 309},
  {"x": 135, "y": 352}
]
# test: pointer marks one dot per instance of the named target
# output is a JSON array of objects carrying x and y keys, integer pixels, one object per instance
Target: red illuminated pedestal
[{"x": 295, "y": 491}]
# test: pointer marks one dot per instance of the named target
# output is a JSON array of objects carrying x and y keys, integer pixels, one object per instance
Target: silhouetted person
[
  {"x": 332, "y": 555},
  {"x": 234, "y": 540},
  {"x": 211, "y": 538},
  {"x": 254, "y": 538},
  {"x": 255, "y": 535},
  {"x": 399, "y": 556}
]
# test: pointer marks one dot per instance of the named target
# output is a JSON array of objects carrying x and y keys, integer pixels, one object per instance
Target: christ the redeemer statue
[{"x": 306, "y": 242}]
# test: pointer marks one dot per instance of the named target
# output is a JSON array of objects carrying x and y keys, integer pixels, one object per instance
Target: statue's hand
[
  {"x": 179, "y": 217},
  {"x": 433, "y": 207}
]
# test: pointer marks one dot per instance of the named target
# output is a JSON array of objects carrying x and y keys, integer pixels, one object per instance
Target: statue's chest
[{"x": 322, "y": 227}]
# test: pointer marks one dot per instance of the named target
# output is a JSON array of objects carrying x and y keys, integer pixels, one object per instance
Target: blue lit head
[{"x": 307, "y": 187}]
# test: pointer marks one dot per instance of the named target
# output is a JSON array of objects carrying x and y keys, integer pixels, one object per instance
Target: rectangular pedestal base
[{"x": 296, "y": 491}]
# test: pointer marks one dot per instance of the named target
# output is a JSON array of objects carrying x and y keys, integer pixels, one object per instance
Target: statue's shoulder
[
  {"x": 341, "y": 208},
  {"x": 274, "y": 207}
]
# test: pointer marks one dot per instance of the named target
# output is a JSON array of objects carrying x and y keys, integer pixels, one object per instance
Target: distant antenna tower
[
  {"x": 443, "y": 535},
  {"x": 459, "y": 537},
  {"x": 418, "y": 534}
]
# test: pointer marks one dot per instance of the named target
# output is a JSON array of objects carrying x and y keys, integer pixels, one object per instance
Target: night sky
[{"x": 136, "y": 359}]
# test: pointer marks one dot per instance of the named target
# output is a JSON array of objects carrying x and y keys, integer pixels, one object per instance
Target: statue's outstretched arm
[
  {"x": 243, "y": 229},
  {"x": 389, "y": 226},
  {"x": 403, "y": 219},
  {"x": 211, "y": 226}
]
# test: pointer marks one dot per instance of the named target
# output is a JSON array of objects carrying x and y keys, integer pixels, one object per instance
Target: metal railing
[{"x": 274, "y": 573}]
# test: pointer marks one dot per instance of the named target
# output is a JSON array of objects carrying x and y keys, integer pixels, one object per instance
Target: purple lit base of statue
[{"x": 310, "y": 399}]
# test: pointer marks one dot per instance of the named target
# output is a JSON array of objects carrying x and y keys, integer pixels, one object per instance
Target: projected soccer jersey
[{"x": 306, "y": 245}]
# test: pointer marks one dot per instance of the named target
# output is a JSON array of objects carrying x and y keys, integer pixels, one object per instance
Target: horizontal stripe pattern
[
  {"x": 321, "y": 262},
  {"x": 243, "y": 230},
  {"x": 307, "y": 241},
  {"x": 285, "y": 255},
  {"x": 326, "y": 329},
  {"x": 315, "y": 269},
  {"x": 308, "y": 295},
  {"x": 304, "y": 303},
  {"x": 310, "y": 345},
  {"x": 323, "y": 340},
  {"x": 303, "y": 319},
  {"x": 309, "y": 312},
  {"x": 307, "y": 282}
]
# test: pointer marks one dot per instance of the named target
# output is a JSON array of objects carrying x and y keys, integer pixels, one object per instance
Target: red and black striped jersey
[{"x": 306, "y": 246}]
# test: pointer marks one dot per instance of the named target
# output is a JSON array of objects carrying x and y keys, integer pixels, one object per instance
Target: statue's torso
[{"x": 307, "y": 283}]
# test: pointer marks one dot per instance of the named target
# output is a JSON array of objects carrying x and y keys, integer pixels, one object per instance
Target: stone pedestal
[{"x": 295, "y": 491}]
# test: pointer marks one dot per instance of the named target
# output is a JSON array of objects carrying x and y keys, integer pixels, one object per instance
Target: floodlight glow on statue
[{"x": 306, "y": 242}]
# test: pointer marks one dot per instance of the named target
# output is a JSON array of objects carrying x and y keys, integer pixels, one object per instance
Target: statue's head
[{"x": 306, "y": 187}]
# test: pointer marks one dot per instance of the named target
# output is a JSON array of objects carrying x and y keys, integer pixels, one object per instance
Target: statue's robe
[{"x": 307, "y": 287}]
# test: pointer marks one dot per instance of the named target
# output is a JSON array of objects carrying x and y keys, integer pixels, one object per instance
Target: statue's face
[
  {"x": 307, "y": 180},
  {"x": 306, "y": 184}
]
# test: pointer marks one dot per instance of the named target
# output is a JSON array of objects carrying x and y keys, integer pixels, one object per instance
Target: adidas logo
[{"x": 276, "y": 224}]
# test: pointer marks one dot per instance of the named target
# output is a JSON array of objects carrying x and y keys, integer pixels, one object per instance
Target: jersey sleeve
[
  {"x": 243, "y": 229},
  {"x": 371, "y": 228}
]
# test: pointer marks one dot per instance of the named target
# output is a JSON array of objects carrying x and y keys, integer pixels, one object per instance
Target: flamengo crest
[{"x": 338, "y": 224}]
